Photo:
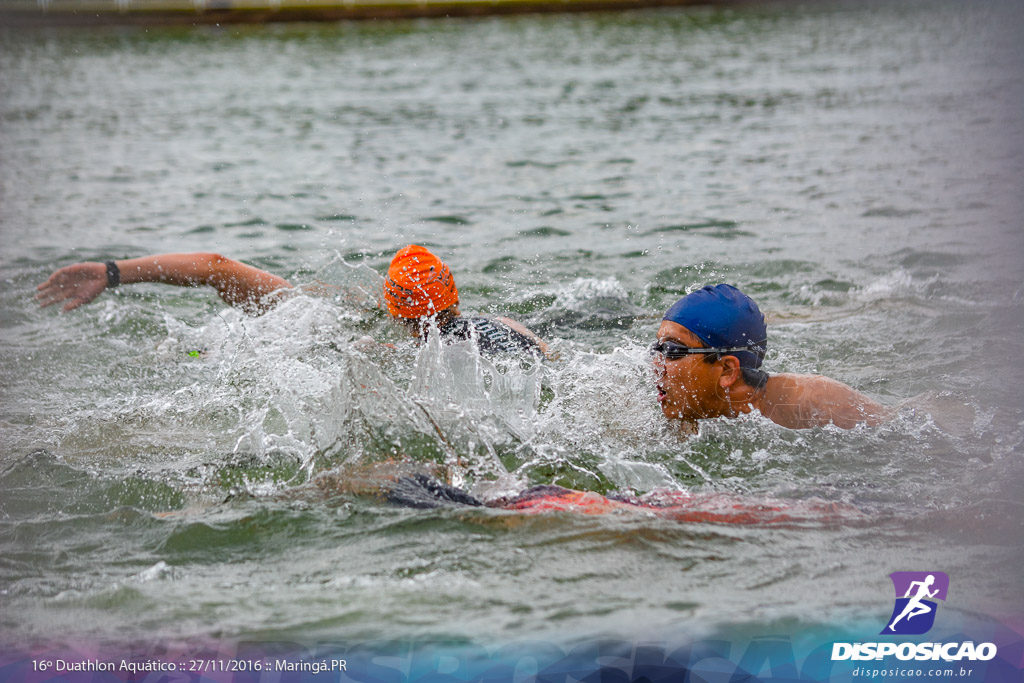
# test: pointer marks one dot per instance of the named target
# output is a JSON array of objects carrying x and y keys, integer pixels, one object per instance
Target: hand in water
[{"x": 75, "y": 284}]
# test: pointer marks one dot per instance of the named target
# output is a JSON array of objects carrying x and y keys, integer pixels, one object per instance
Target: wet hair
[
  {"x": 448, "y": 314},
  {"x": 756, "y": 378}
]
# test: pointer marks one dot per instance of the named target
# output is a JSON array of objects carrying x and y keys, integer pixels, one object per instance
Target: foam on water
[
  {"x": 304, "y": 388},
  {"x": 848, "y": 168}
]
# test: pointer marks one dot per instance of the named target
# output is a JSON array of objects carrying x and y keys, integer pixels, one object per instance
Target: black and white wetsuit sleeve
[{"x": 493, "y": 337}]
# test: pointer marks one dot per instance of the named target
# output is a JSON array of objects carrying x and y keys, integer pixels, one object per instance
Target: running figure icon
[
  {"x": 916, "y": 594},
  {"x": 915, "y": 607}
]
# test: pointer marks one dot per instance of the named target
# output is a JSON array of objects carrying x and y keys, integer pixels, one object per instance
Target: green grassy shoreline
[{"x": 147, "y": 12}]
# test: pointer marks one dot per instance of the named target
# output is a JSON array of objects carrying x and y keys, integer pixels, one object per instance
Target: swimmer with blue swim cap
[{"x": 707, "y": 362}]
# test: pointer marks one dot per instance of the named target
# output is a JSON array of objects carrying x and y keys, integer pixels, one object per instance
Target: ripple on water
[
  {"x": 448, "y": 220},
  {"x": 539, "y": 232},
  {"x": 251, "y": 222}
]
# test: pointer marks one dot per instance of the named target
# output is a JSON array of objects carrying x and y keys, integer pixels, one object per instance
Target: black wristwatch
[{"x": 113, "y": 274}]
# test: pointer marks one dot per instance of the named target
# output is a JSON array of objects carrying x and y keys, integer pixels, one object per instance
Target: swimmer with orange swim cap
[{"x": 418, "y": 288}]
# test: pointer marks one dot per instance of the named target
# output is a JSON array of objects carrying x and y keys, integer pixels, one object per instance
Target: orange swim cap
[{"x": 418, "y": 284}]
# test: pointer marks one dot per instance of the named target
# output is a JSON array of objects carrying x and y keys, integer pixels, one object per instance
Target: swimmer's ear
[{"x": 731, "y": 373}]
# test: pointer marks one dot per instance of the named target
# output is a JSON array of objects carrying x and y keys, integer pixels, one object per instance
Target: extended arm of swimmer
[
  {"x": 523, "y": 330},
  {"x": 237, "y": 283},
  {"x": 804, "y": 401}
]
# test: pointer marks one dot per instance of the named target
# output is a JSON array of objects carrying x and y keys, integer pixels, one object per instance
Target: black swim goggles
[{"x": 673, "y": 350}]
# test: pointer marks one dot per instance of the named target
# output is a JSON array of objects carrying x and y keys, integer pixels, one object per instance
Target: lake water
[{"x": 855, "y": 167}]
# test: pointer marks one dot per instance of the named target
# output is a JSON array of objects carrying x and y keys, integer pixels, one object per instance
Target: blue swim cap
[{"x": 724, "y": 316}]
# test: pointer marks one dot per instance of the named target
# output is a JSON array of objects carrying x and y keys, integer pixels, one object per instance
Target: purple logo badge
[{"x": 916, "y": 592}]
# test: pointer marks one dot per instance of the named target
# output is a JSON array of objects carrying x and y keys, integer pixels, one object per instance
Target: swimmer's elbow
[
  {"x": 244, "y": 286},
  {"x": 213, "y": 260},
  {"x": 221, "y": 270},
  {"x": 197, "y": 268}
]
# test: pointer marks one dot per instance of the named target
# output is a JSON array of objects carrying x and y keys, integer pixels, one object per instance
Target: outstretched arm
[
  {"x": 237, "y": 283},
  {"x": 804, "y": 401},
  {"x": 521, "y": 329},
  {"x": 844, "y": 406}
]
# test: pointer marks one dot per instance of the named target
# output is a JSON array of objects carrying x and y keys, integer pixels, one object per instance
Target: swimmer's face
[{"x": 687, "y": 387}]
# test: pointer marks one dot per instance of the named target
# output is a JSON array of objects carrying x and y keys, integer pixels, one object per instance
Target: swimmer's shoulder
[{"x": 800, "y": 401}]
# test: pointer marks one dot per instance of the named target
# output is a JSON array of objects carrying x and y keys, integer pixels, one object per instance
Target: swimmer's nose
[{"x": 658, "y": 366}]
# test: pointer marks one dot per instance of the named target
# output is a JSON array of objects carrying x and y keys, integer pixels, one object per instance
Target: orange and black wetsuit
[{"x": 422, "y": 491}]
